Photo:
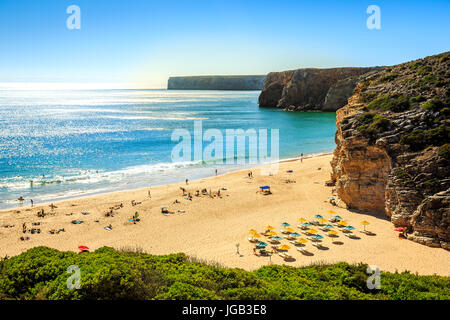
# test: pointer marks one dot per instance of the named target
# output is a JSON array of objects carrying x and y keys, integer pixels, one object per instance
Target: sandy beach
[{"x": 210, "y": 227}]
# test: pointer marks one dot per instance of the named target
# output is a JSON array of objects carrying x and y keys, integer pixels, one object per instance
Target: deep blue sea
[{"x": 60, "y": 144}]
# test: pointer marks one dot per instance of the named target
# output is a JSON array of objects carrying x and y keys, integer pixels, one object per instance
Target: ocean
[{"x": 59, "y": 144}]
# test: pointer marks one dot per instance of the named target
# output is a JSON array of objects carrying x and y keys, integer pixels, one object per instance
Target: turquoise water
[{"x": 60, "y": 144}]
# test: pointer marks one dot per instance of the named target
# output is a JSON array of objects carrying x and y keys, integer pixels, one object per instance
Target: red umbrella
[
  {"x": 83, "y": 248},
  {"x": 400, "y": 229}
]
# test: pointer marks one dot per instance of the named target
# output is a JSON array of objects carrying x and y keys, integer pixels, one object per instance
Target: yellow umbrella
[
  {"x": 365, "y": 223},
  {"x": 252, "y": 231},
  {"x": 342, "y": 223},
  {"x": 302, "y": 220},
  {"x": 331, "y": 212},
  {"x": 271, "y": 234},
  {"x": 322, "y": 220},
  {"x": 284, "y": 247},
  {"x": 269, "y": 228},
  {"x": 332, "y": 232},
  {"x": 312, "y": 231},
  {"x": 289, "y": 230},
  {"x": 256, "y": 235},
  {"x": 301, "y": 240}
]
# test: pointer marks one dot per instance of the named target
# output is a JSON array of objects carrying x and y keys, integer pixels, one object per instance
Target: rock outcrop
[
  {"x": 310, "y": 89},
  {"x": 216, "y": 83},
  {"x": 393, "y": 148}
]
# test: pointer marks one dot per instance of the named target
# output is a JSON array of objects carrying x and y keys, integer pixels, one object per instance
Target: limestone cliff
[
  {"x": 310, "y": 89},
  {"x": 393, "y": 147},
  {"x": 216, "y": 83}
]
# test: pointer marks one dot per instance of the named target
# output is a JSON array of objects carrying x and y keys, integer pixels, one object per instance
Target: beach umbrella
[
  {"x": 331, "y": 212},
  {"x": 317, "y": 236},
  {"x": 331, "y": 199},
  {"x": 276, "y": 238},
  {"x": 284, "y": 247},
  {"x": 342, "y": 223},
  {"x": 269, "y": 228},
  {"x": 261, "y": 244},
  {"x": 302, "y": 220},
  {"x": 271, "y": 234},
  {"x": 288, "y": 230},
  {"x": 306, "y": 224},
  {"x": 365, "y": 223},
  {"x": 400, "y": 229},
  {"x": 312, "y": 231},
  {"x": 83, "y": 248},
  {"x": 318, "y": 216},
  {"x": 332, "y": 232},
  {"x": 285, "y": 224},
  {"x": 295, "y": 235},
  {"x": 328, "y": 226},
  {"x": 301, "y": 240},
  {"x": 337, "y": 218},
  {"x": 252, "y": 231},
  {"x": 349, "y": 228},
  {"x": 322, "y": 220}
]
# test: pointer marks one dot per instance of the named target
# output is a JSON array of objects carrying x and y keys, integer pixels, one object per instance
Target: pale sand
[{"x": 210, "y": 228}]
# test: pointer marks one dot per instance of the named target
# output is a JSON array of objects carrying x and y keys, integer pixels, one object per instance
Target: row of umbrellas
[{"x": 293, "y": 234}]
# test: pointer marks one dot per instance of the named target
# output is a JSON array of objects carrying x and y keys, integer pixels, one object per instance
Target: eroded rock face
[
  {"x": 393, "y": 148},
  {"x": 310, "y": 89}
]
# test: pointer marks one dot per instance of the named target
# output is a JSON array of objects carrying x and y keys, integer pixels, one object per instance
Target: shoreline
[
  {"x": 98, "y": 193},
  {"x": 209, "y": 227}
]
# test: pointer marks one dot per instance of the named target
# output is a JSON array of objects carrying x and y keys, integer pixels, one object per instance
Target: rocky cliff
[
  {"x": 216, "y": 83},
  {"x": 310, "y": 89},
  {"x": 393, "y": 147}
]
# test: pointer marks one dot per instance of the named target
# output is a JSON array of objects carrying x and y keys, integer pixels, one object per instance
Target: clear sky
[{"x": 142, "y": 42}]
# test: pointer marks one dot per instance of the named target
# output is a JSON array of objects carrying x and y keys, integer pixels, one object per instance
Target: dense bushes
[
  {"x": 40, "y": 273},
  {"x": 419, "y": 139},
  {"x": 398, "y": 103},
  {"x": 371, "y": 124}
]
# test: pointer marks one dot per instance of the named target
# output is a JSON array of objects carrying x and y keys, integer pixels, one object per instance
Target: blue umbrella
[
  {"x": 294, "y": 235},
  {"x": 331, "y": 199},
  {"x": 328, "y": 226},
  {"x": 317, "y": 236},
  {"x": 337, "y": 218},
  {"x": 285, "y": 224},
  {"x": 261, "y": 244},
  {"x": 318, "y": 216},
  {"x": 349, "y": 228},
  {"x": 276, "y": 238},
  {"x": 306, "y": 224}
]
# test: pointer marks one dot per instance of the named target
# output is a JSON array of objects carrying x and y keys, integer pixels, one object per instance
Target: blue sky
[{"x": 142, "y": 43}]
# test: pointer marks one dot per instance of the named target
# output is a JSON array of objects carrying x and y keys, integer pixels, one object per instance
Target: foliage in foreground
[{"x": 40, "y": 273}]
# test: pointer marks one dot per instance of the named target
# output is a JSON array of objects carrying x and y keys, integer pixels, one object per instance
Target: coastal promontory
[
  {"x": 310, "y": 89},
  {"x": 393, "y": 148},
  {"x": 244, "y": 82}
]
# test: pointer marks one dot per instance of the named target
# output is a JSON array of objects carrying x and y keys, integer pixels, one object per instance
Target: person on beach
[
  {"x": 187, "y": 181},
  {"x": 31, "y": 200},
  {"x": 301, "y": 157},
  {"x": 149, "y": 194},
  {"x": 24, "y": 227},
  {"x": 216, "y": 172}
]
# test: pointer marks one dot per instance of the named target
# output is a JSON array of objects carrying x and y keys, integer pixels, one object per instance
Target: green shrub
[
  {"x": 419, "y": 139},
  {"x": 444, "y": 151},
  {"x": 433, "y": 105},
  {"x": 393, "y": 103},
  {"x": 109, "y": 274}
]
